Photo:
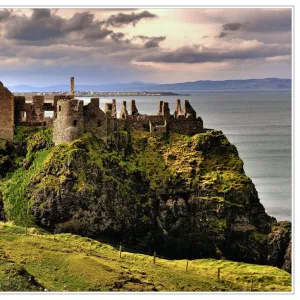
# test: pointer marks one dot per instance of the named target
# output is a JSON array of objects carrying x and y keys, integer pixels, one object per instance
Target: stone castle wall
[
  {"x": 71, "y": 118},
  {"x": 95, "y": 120},
  {"x": 186, "y": 126},
  {"x": 7, "y": 123}
]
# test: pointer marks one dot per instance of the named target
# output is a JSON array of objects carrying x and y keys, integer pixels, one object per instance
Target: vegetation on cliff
[
  {"x": 181, "y": 196},
  {"x": 40, "y": 261}
]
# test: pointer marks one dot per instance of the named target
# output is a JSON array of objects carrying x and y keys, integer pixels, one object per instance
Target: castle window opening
[
  {"x": 49, "y": 114},
  {"x": 24, "y": 116},
  {"x": 59, "y": 108},
  {"x": 75, "y": 122},
  {"x": 99, "y": 123}
]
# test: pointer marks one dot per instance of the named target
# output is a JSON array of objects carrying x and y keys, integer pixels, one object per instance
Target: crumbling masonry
[{"x": 71, "y": 117}]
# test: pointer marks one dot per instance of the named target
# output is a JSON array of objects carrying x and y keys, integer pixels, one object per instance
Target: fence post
[
  {"x": 120, "y": 251},
  {"x": 154, "y": 257},
  {"x": 187, "y": 266},
  {"x": 219, "y": 273}
]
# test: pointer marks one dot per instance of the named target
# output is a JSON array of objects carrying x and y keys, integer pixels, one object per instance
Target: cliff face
[{"x": 179, "y": 196}]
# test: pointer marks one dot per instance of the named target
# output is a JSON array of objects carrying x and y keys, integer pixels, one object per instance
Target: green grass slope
[{"x": 40, "y": 261}]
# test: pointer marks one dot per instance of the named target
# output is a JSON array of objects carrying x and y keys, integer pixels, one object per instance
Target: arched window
[
  {"x": 99, "y": 123},
  {"x": 75, "y": 122}
]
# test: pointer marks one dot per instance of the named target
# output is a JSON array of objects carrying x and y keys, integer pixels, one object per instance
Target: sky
[{"x": 42, "y": 47}]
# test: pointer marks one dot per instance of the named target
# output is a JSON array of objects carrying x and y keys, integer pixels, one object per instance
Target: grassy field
[{"x": 40, "y": 261}]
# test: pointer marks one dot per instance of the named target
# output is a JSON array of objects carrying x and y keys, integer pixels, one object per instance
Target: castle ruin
[{"x": 71, "y": 117}]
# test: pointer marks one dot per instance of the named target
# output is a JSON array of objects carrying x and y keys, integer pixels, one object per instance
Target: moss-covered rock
[{"x": 177, "y": 195}]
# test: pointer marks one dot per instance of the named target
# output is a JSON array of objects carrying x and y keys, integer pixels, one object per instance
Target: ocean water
[{"x": 258, "y": 123}]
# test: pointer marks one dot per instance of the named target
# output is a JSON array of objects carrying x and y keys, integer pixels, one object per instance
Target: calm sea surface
[{"x": 258, "y": 123}]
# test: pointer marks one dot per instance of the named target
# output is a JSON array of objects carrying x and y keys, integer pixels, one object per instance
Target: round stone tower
[{"x": 69, "y": 124}]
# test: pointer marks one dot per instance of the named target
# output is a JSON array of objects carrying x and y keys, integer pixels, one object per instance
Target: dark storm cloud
[
  {"x": 251, "y": 50},
  {"x": 122, "y": 19},
  {"x": 232, "y": 26},
  {"x": 150, "y": 41}
]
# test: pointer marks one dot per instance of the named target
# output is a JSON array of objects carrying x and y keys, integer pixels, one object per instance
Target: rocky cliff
[{"x": 183, "y": 197}]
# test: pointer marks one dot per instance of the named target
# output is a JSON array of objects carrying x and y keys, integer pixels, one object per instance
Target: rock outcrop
[{"x": 181, "y": 196}]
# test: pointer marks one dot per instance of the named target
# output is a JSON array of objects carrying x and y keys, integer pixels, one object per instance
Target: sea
[{"x": 257, "y": 122}]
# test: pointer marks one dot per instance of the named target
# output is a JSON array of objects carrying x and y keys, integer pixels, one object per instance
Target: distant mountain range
[{"x": 247, "y": 84}]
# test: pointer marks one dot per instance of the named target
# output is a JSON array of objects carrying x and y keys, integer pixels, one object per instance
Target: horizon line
[{"x": 152, "y": 83}]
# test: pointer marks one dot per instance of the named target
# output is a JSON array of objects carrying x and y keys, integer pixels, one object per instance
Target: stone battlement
[{"x": 71, "y": 117}]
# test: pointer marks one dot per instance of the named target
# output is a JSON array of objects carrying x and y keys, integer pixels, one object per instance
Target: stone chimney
[
  {"x": 72, "y": 91},
  {"x": 114, "y": 108}
]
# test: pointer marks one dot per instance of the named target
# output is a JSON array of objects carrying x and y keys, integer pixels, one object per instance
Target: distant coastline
[
  {"x": 106, "y": 94},
  {"x": 138, "y": 88}
]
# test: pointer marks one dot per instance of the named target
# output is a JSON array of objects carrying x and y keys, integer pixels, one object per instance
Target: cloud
[
  {"x": 122, "y": 19},
  {"x": 229, "y": 27},
  {"x": 39, "y": 26},
  {"x": 256, "y": 19},
  {"x": 4, "y": 14},
  {"x": 279, "y": 58},
  {"x": 154, "y": 43},
  {"x": 50, "y": 44},
  {"x": 118, "y": 37},
  {"x": 232, "y": 26},
  {"x": 45, "y": 24},
  {"x": 269, "y": 20},
  {"x": 238, "y": 50},
  {"x": 222, "y": 34},
  {"x": 150, "y": 41}
]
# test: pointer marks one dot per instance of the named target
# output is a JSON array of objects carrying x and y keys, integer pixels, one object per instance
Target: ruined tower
[
  {"x": 133, "y": 109},
  {"x": 124, "y": 112},
  {"x": 160, "y": 107},
  {"x": 177, "y": 109},
  {"x": 114, "y": 108},
  {"x": 7, "y": 113},
  {"x": 188, "y": 110},
  {"x": 69, "y": 124},
  {"x": 108, "y": 108},
  {"x": 166, "y": 111},
  {"x": 38, "y": 103},
  {"x": 72, "y": 91}
]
